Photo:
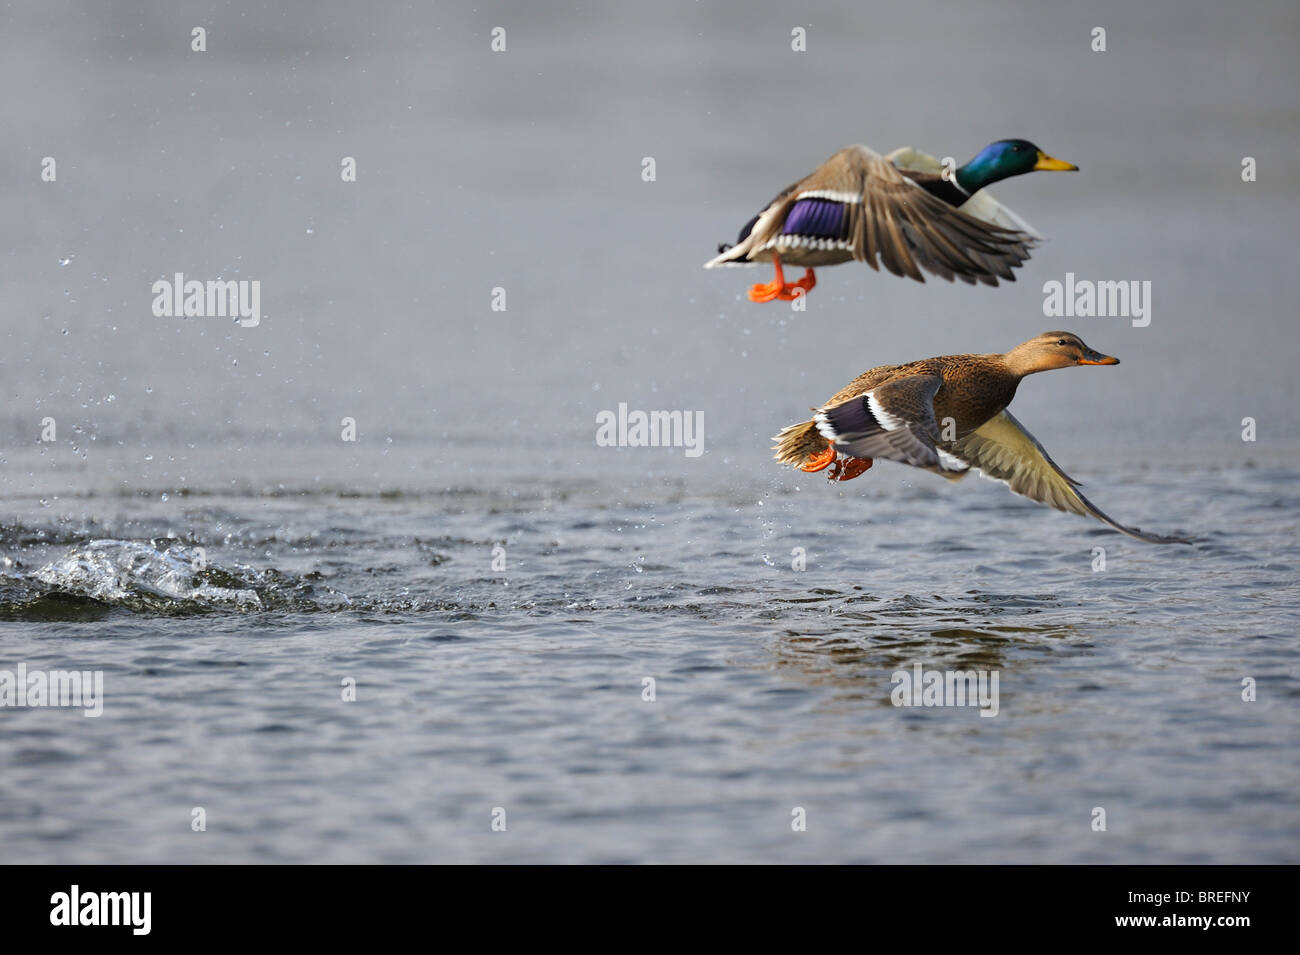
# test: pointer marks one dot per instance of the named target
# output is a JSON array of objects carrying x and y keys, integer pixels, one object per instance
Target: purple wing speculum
[{"x": 819, "y": 218}]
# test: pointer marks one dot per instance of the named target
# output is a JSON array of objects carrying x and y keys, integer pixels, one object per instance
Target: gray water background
[{"x": 522, "y": 688}]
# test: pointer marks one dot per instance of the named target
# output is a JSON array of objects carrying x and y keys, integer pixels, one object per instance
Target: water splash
[
  {"x": 154, "y": 576},
  {"x": 139, "y": 575}
]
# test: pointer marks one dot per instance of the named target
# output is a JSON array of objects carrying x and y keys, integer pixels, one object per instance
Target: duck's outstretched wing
[
  {"x": 860, "y": 204},
  {"x": 1003, "y": 450},
  {"x": 893, "y": 421},
  {"x": 982, "y": 205}
]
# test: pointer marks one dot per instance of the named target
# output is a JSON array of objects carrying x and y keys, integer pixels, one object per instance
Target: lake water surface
[{"x": 496, "y": 586}]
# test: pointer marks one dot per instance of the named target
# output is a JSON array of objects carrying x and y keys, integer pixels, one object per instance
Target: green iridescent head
[{"x": 1004, "y": 159}]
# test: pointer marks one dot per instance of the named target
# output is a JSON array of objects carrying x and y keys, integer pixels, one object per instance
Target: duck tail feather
[{"x": 797, "y": 442}]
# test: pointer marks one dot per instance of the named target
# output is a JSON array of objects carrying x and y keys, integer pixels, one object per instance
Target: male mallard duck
[
  {"x": 948, "y": 415},
  {"x": 859, "y": 204}
]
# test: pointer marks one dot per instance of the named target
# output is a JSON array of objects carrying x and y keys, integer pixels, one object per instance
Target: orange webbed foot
[
  {"x": 850, "y": 468},
  {"x": 780, "y": 289},
  {"x": 819, "y": 462},
  {"x": 793, "y": 290}
]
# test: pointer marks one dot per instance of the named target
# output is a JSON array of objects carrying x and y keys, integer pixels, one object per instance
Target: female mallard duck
[
  {"x": 859, "y": 204},
  {"x": 948, "y": 415}
]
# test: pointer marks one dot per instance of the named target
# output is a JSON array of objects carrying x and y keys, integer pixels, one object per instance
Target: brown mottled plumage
[{"x": 948, "y": 415}]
